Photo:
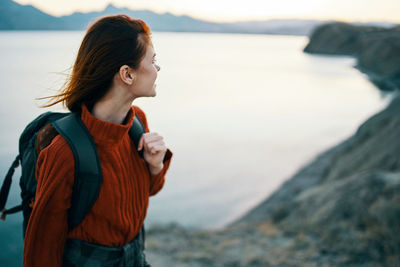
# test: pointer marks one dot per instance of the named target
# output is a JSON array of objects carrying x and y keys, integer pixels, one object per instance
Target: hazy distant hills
[{"x": 14, "y": 16}]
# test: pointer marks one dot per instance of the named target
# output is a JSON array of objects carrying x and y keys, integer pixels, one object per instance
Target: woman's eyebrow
[{"x": 154, "y": 55}]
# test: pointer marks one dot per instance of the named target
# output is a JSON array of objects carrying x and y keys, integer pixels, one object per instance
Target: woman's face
[{"x": 146, "y": 75}]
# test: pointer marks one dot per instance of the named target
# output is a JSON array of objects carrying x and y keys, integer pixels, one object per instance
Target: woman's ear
[{"x": 127, "y": 74}]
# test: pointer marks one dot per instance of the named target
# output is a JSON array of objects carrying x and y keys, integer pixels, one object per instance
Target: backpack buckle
[
  {"x": 3, "y": 215},
  {"x": 32, "y": 202}
]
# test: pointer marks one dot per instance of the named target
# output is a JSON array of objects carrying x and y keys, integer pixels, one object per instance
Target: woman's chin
[{"x": 154, "y": 91}]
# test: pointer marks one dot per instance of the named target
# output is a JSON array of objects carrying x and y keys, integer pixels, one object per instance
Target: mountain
[
  {"x": 172, "y": 23},
  {"x": 275, "y": 26},
  {"x": 157, "y": 22},
  {"x": 14, "y": 16}
]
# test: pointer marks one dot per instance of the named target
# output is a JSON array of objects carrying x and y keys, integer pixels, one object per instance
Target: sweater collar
[{"x": 104, "y": 132}]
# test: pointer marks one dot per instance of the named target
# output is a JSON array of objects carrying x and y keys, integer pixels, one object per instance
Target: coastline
[
  {"x": 311, "y": 217},
  {"x": 349, "y": 192},
  {"x": 375, "y": 49}
]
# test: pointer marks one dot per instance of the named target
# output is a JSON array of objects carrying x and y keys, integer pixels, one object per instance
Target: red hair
[{"x": 108, "y": 44}]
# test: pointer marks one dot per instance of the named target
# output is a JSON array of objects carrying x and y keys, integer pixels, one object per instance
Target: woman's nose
[{"x": 158, "y": 68}]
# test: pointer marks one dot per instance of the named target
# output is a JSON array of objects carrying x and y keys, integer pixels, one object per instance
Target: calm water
[{"x": 241, "y": 113}]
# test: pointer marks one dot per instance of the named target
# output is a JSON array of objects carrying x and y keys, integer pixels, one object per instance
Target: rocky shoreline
[
  {"x": 341, "y": 209},
  {"x": 376, "y": 49}
]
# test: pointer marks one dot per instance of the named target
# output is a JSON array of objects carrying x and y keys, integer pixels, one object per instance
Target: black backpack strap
[
  {"x": 88, "y": 174},
  {"x": 135, "y": 132},
  {"x": 5, "y": 190}
]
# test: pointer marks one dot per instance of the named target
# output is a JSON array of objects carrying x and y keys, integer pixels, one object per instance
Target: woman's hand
[{"x": 154, "y": 151}]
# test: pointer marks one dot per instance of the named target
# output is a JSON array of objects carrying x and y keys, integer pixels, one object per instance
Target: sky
[{"x": 235, "y": 10}]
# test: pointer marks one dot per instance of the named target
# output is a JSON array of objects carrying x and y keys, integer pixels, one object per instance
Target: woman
[{"x": 114, "y": 66}]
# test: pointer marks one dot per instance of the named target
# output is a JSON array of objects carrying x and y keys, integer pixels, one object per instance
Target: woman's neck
[
  {"x": 115, "y": 105},
  {"x": 112, "y": 113},
  {"x": 111, "y": 109}
]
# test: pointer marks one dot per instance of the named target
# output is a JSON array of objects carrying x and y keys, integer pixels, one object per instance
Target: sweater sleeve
[
  {"x": 48, "y": 227},
  {"x": 156, "y": 181}
]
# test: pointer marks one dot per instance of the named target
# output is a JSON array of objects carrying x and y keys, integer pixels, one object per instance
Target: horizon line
[{"x": 196, "y": 17}]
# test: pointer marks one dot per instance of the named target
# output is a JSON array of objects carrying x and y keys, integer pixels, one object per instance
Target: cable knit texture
[{"x": 120, "y": 210}]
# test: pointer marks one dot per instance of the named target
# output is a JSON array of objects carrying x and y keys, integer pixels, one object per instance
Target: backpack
[{"x": 88, "y": 174}]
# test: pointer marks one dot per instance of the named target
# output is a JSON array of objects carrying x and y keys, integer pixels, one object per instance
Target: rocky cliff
[{"x": 377, "y": 49}]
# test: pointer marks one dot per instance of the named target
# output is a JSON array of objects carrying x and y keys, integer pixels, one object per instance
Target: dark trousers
[{"x": 78, "y": 253}]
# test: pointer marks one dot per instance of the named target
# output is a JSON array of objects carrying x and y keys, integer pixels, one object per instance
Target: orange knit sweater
[{"x": 119, "y": 212}]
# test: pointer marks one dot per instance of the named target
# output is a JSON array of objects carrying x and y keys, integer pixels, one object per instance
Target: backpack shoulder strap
[
  {"x": 5, "y": 189},
  {"x": 88, "y": 174},
  {"x": 135, "y": 132}
]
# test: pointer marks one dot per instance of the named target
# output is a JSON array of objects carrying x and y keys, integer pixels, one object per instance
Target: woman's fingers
[
  {"x": 155, "y": 146},
  {"x": 140, "y": 145},
  {"x": 152, "y": 142},
  {"x": 148, "y": 138},
  {"x": 151, "y": 137},
  {"x": 158, "y": 148}
]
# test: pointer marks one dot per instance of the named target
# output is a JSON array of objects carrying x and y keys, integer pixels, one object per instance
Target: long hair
[{"x": 108, "y": 44}]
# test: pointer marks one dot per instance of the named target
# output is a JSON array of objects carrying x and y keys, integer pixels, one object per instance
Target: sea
[{"x": 241, "y": 113}]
